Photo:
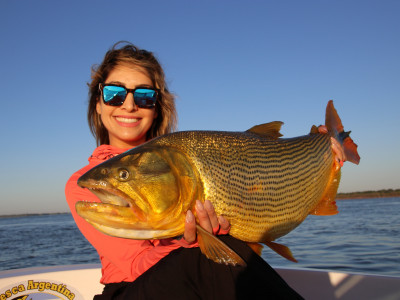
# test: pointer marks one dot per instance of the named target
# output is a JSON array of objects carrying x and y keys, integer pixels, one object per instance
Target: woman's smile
[{"x": 127, "y": 121}]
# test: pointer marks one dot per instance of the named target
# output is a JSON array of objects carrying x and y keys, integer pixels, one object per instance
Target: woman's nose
[{"x": 129, "y": 103}]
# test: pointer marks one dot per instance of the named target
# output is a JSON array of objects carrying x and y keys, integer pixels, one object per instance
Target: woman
[{"x": 129, "y": 103}]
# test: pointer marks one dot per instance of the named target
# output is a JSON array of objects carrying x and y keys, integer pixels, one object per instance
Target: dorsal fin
[
  {"x": 314, "y": 130},
  {"x": 269, "y": 130}
]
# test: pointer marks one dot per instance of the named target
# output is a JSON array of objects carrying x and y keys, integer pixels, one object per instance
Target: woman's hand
[
  {"x": 208, "y": 220},
  {"x": 336, "y": 147}
]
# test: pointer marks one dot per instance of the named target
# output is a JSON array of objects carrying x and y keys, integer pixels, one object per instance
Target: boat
[{"x": 82, "y": 282}]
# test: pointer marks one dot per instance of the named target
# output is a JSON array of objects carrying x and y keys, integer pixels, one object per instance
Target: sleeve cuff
[{"x": 183, "y": 243}]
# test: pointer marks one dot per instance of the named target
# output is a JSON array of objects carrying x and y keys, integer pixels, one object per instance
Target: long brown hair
[{"x": 129, "y": 54}]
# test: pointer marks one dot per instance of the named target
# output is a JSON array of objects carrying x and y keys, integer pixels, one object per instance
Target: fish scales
[{"x": 265, "y": 187}]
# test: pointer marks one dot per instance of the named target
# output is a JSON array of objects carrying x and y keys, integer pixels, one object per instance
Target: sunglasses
[{"x": 115, "y": 95}]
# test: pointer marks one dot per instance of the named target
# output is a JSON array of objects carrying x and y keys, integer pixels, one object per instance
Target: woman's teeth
[{"x": 126, "y": 120}]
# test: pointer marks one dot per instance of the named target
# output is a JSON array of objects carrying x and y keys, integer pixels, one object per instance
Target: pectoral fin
[
  {"x": 281, "y": 250},
  {"x": 214, "y": 249}
]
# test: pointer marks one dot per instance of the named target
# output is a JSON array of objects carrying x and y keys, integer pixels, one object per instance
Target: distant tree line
[{"x": 370, "y": 194}]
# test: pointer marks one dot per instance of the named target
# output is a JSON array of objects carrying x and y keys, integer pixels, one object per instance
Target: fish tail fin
[
  {"x": 350, "y": 150},
  {"x": 281, "y": 250},
  {"x": 335, "y": 128},
  {"x": 214, "y": 249}
]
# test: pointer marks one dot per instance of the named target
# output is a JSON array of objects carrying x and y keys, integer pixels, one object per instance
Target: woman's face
[{"x": 127, "y": 124}]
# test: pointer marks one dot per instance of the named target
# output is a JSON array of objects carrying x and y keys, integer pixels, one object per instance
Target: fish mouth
[
  {"x": 111, "y": 197},
  {"x": 113, "y": 200},
  {"x": 106, "y": 192},
  {"x": 119, "y": 215}
]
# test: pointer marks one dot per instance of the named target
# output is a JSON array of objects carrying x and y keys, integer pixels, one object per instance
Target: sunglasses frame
[{"x": 103, "y": 85}]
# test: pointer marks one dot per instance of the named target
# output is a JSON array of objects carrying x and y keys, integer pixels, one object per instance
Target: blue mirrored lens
[
  {"x": 145, "y": 97},
  {"x": 114, "y": 92}
]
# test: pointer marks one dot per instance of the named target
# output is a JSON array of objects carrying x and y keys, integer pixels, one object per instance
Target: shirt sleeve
[{"x": 122, "y": 259}]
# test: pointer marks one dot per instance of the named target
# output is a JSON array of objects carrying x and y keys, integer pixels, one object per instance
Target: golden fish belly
[{"x": 265, "y": 187}]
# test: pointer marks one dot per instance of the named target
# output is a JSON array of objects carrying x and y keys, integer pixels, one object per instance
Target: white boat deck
[{"x": 82, "y": 282}]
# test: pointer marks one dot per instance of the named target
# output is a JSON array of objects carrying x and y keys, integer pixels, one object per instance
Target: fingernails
[
  {"x": 208, "y": 205},
  {"x": 189, "y": 217},
  {"x": 199, "y": 205}
]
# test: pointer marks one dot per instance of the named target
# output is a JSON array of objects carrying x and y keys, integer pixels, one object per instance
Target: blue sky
[{"x": 232, "y": 64}]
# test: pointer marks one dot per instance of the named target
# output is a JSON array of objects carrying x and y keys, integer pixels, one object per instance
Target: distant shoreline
[
  {"x": 340, "y": 196},
  {"x": 33, "y": 214},
  {"x": 369, "y": 194}
]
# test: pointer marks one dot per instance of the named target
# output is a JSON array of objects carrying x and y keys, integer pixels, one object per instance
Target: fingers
[
  {"x": 203, "y": 214},
  {"x": 338, "y": 150},
  {"x": 190, "y": 228},
  {"x": 211, "y": 214},
  {"x": 224, "y": 224},
  {"x": 207, "y": 219},
  {"x": 322, "y": 129},
  {"x": 336, "y": 147}
]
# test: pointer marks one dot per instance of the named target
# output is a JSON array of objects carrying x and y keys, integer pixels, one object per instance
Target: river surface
[{"x": 363, "y": 237}]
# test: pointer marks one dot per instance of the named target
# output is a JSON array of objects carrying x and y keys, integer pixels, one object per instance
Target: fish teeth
[{"x": 107, "y": 196}]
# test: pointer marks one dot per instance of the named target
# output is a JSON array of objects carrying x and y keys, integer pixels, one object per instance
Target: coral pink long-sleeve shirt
[{"x": 121, "y": 259}]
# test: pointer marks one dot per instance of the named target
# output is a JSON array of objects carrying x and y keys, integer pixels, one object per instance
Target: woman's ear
[{"x": 98, "y": 107}]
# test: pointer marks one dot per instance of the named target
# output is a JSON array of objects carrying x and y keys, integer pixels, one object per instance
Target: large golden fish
[{"x": 264, "y": 185}]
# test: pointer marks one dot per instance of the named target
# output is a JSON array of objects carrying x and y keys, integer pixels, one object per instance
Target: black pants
[{"x": 188, "y": 274}]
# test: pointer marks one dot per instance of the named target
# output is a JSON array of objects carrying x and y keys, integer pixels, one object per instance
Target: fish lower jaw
[{"x": 137, "y": 234}]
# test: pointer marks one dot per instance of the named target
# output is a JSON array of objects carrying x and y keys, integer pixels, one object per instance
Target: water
[
  {"x": 363, "y": 237},
  {"x": 43, "y": 240}
]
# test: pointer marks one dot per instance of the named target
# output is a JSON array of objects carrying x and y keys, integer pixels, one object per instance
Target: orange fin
[
  {"x": 256, "y": 247},
  {"x": 214, "y": 249},
  {"x": 335, "y": 127},
  {"x": 327, "y": 205},
  {"x": 268, "y": 130},
  {"x": 281, "y": 250},
  {"x": 332, "y": 119},
  {"x": 350, "y": 150},
  {"x": 314, "y": 130}
]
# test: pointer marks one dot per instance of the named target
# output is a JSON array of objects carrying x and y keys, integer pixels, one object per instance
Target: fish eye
[{"x": 123, "y": 174}]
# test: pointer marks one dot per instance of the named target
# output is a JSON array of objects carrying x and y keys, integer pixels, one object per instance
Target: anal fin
[
  {"x": 281, "y": 250},
  {"x": 216, "y": 250},
  {"x": 256, "y": 247}
]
